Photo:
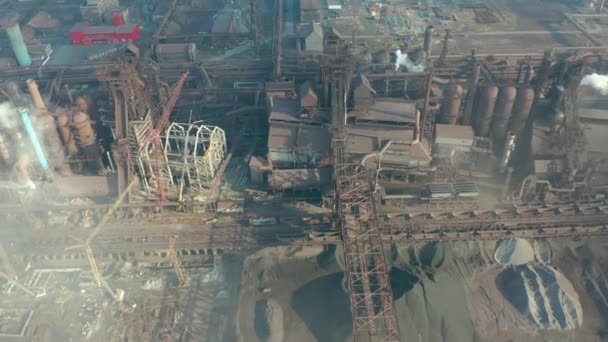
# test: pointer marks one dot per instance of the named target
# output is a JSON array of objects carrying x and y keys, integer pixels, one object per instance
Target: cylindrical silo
[
  {"x": 86, "y": 104},
  {"x": 450, "y": 106},
  {"x": 65, "y": 131},
  {"x": 485, "y": 110},
  {"x": 503, "y": 110},
  {"x": 18, "y": 44},
  {"x": 83, "y": 130},
  {"x": 36, "y": 97},
  {"x": 521, "y": 109},
  {"x": 53, "y": 142},
  {"x": 86, "y": 140},
  {"x": 176, "y": 52}
]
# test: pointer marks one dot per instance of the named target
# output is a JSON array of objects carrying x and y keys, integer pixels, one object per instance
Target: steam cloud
[
  {"x": 597, "y": 82},
  {"x": 403, "y": 59}
]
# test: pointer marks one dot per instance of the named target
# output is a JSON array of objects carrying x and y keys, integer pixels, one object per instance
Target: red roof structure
[{"x": 84, "y": 34}]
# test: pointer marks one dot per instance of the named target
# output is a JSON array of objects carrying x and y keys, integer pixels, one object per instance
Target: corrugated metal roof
[
  {"x": 281, "y": 86},
  {"x": 304, "y": 138},
  {"x": 284, "y": 109},
  {"x": 361, "y": 80},
  {"x": 364, "y": 139},
  {"x": 454, "y": 132},
  {"x": 43, "y": 20},
  {"x": 306, "y": 92},
  {"x": 398, "y": 111},
  {"x": 300, "y": 178},
  {"x": 466, "y": 189}
]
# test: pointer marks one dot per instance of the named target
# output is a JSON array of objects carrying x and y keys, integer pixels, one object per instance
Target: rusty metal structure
[{"x": 365, "y": 267}]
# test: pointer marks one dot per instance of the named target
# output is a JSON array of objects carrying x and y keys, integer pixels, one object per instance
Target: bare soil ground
[{"x": 442, "y": 292}]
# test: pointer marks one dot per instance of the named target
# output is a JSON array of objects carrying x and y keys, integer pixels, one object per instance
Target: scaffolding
[{"x": 192, "y": 154}]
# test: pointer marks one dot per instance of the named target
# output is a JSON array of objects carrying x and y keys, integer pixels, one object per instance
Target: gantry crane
[
  {"x": 165, "y": 108},
  {"x": 177, "y": 265},
  {"x": 87, "y": 243}
]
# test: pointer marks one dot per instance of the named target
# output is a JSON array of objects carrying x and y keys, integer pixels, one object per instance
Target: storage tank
[
  {"x": 176, "y": 52},
  {"x": 85, "y": 103},
  {"x": 502, "y": 113},
  {"x": 83, "y": 130},
  {"x": 36, "y": 97},
  {"x": 65, "y": 131},
  {"x": 521, "y": 109},
  {"x": 86, "y": 141},
  {"x": 485, "y": 110},
  {"x": 450, "y": 106},
  {"x": 53, "y": 142}
]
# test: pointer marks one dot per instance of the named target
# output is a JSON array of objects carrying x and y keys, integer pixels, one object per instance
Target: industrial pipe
[
  {"x": 427, "y": 44},
  {"x": 18, "y": 44},
  {"x": 376, "y": 153},
  {"x": 31, "y": 132},
  {"x": 32, "y": 86}
]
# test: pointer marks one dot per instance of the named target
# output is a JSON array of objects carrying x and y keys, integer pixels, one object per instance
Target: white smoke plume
[
  {"x": 596, "y": 81},
  {"x": 403, "y": 59},
  {"x": 9, "y": 119}
]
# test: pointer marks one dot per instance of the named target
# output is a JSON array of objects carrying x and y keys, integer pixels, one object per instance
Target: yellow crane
[
  {"x": 100, "y": 225},
  {"x": 177, "y": 265}
]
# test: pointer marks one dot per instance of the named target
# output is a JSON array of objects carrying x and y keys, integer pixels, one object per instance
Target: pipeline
[
  {"x": 23, "y": 112},
  {"x": 376, "y": 153},
  {"x": 550, "y": 187}
]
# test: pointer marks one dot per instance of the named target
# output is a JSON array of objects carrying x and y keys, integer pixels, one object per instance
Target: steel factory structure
[{"x": 206, "y": 126}]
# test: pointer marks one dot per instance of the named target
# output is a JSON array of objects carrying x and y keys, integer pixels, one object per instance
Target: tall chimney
[
  {"x": 32, "y": 86},
  {"x": 19, "y": 48},
  {"x": 427, "y": 45}
]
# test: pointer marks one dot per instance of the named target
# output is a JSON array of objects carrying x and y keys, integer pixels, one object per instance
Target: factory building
[
  {"x": 299, "y": 142},
  {"x": 382, "y": 132},
  {"x": 451, "y": 138},
  {"x": 311, "y": 36}
]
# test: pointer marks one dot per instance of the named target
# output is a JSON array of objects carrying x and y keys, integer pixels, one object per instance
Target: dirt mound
[
  {"x": 542, "y": 294},
  {"x": 514, "y": 252}
]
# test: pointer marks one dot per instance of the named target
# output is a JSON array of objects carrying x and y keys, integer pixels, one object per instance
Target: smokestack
[
  {"x": 428, "y": 41},
  {"x": 32, "y": 86},
  {"x": 19, "y": 48}
]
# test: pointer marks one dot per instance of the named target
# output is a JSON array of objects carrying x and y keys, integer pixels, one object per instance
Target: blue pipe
[{"x": 29, "y": 128}]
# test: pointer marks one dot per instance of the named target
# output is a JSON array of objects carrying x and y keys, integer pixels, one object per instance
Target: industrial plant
[{"x": 280, "y": 170}]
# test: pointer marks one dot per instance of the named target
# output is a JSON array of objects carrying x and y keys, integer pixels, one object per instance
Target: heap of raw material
[
  {"x": 452, "y": 291},
  {"x": 542, "y": 294},
  {"x": 514, "y": 252}
]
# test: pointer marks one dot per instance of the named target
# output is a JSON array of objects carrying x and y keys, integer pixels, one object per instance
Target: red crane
[{"x": 165, "y": 107}]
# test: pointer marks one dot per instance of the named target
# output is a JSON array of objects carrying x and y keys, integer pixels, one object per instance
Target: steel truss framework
[
  {"x": 371, "y": 298},
  {"x": 368, "y": 282},
  {"x": 191, "y": 152}
]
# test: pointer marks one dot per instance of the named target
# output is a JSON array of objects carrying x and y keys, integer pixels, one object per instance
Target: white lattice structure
[
  {"x": 195, "y": 152},
  {"x": 191, "y": 153}
]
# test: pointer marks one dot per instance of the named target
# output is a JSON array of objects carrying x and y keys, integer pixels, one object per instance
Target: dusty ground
[{"x": 442, "y": 292}]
